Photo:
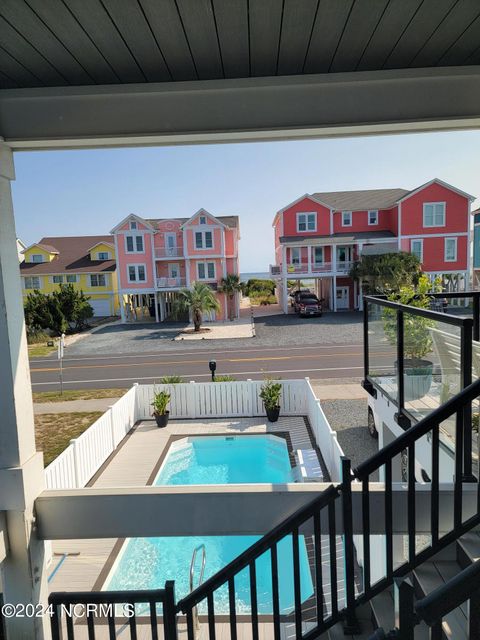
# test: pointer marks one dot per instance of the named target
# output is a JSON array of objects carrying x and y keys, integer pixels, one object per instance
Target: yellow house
[{"x": 87, "y": 262}]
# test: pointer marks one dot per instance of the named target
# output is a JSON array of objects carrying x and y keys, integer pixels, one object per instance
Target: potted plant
[
  {"x": 159, "y": 404},
  {"x": 270, "y": 393},
  {"x": 417, "y": 338}
]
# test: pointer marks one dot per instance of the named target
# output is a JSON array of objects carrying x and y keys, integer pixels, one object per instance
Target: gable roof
[
  {"x": 361, "y": 200},
  {"x": 73, "y": 256},
  {"x": 440, "y": 182},
  {"x": 132, "y": 216},
  {"x": 42, "y": 245},
  {"x": 227, "y": 221}
]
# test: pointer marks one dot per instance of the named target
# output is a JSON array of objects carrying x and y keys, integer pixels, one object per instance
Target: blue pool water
[{"x": 146, "y": 563}]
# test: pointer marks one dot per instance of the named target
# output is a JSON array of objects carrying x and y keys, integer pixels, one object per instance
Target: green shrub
[
  {"x": 160, "y": 402},
  {"x": 270, "y": 393},
  {"x": 257, "y": 286},
  {"x": 171, "y": 380}
]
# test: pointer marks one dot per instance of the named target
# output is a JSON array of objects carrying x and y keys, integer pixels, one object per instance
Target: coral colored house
[
  {"x": 319, "y": 237},
  {"x": 158, "y": 257}
]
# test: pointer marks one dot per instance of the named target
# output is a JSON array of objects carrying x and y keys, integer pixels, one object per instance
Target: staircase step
[
  {"x": 468, "y": 549},
  {"x": 383, "y": 614},
  {"x": 427, "y": 578},
  {"x": 336, "y": 633}
]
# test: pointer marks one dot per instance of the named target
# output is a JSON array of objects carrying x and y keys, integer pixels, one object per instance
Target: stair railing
[
  {"x": 431, "y": 609},
  {"x": 330, "y": 518}
]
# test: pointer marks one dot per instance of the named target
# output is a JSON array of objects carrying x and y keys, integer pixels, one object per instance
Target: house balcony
[
  {"x": 313, "y": 269},
  {"x": 164, "y": 253},
  {"x": 171, "y": 283}
]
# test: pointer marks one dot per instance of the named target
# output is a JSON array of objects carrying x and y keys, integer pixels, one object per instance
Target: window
[
  {"x": 71, "y": 278},
  {"x": 434, "y": 214},
  {"x": 57, "y": 279},
  {"x": 450, "y": 249},
  {"x": 36, "y": 257},
  {"x": 134, "y": 244},
  {"x": 136, "y": 273},
  {"x": 32, "y": 282},
  {"x": 206, "y": 270},
  {"x": 306, "y": 221},
  {"x": 103, "y": 255},
  {"x": 372, "y": 217},
  {"x": 346, "y": 218},
  {"x": 416, "y": 247},
  {"x": 133, "y": 225},
  {"x": 203, "y": 220},
  {"x": 295, "y": 255},
  {"x": 318, "y": 255},
  {"x": 203, "y": 240},
  {"x": 98, "y": 280}
]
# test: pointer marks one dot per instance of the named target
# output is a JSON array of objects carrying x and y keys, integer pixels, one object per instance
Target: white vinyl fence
[
  {"x": 84, "y": 456},
  {"x": 221, "y": 399},
  {"x": 325, "y": 438}
]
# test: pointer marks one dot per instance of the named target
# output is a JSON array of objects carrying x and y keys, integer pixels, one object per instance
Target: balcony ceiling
[{"x": 93, "y": 44}]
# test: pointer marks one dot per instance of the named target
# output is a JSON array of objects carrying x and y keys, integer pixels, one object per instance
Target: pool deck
[{"x": 135, "y": 463}]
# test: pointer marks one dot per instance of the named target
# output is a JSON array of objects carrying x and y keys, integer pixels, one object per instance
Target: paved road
[{"x": 81, "y": 372}]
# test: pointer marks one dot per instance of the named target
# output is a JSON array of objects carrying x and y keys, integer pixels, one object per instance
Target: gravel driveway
[
  {"x": 339, "y": 328},
  {"x": 349, "y": 419}
]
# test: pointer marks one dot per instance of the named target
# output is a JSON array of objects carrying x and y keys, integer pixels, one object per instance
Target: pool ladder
[{"x": 201, "y": 548}]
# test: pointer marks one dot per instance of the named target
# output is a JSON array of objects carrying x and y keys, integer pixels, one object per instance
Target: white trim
[
  {"x": 100, "y": 285},
  {"x": 438, "y": 235},
  {"x": 445, "y": 259},
  {"x": 440, "y": 182},
  {"x": 306, "y": 214},
  {"x": 205, "y": 213},
  {"x": 421, "y": 247},
  {"x": 351, "y": 219},
  {"x": 136, "y": 265},
  {"x": 204, "y": 239},
  {"x": 132, "y": 216},
  {"x": 372, "y": 224},
  {"x": 135, "y": 235},
  {"x": 110, "y": 244},
  {"x": 38, "y": 244},
  {"x": 433, "y": 204},
  {"x": 205, "y": 265},
  {"x": 331, "y": 222}
]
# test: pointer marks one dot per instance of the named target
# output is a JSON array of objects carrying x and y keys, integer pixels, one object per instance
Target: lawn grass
[
  {"x": 80, "y": 394},
  {"x": 38, "y": 350},
  {"x": 53, "y": 431}
]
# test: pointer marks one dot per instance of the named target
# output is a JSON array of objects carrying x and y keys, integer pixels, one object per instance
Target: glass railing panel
[
  {"x": 432, "y": 363},
  {"x": 382, "y": 348}
]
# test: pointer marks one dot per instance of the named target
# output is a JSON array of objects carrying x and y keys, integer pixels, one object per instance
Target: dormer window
[
  {"x": 103, "y": 255},
  {"x": 203, "y": 220},
  {"x": 37, "y": 257},
  {"x": 133, "y": 225}
]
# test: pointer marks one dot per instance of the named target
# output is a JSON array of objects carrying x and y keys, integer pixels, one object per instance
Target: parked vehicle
[
  {"x": 296, "y": 294},
  {"x": 309, "y": 306}
]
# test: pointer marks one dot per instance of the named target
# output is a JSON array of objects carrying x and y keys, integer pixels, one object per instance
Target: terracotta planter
[
  {"x": 272, "y": 413},
  {"x": 162, "y": 420}
]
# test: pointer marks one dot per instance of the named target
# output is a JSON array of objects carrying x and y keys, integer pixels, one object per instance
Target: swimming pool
[{"x": 146, "y": 563}]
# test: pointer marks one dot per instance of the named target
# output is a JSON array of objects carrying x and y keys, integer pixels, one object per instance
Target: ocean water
[{"x": 260, "y": 275}]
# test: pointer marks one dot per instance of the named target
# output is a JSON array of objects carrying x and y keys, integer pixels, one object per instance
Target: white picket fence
[{"x": 84, "y": 456}]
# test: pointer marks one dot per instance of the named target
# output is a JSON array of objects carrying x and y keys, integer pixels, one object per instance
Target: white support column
[
  {"x": 284, "y": 280},
  {"x": 23, "y": 572},
  {"x": 156, "y": 306},
  {"x": 122, "y": 307},
  {"x": 309, "y": 258},
  {"x": 334, "y": 281}
]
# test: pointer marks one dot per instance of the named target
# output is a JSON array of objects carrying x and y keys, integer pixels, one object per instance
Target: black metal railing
[
  {"x": 433, "y": 608},
  {"x": 359, "y": 587},
  {"x": 69, "y": 610}
]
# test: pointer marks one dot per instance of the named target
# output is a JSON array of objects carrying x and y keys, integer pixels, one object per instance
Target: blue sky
[{"x": 88, "y": 192}]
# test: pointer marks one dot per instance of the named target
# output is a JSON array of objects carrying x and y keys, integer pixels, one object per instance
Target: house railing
[
  {"x": 462, "y": 588},
  {"x": 169, "y": 252},
  {"x": 315, "y": 267},
  {"x": 319, "y": 521},
  {"x": 124, "y": 608},
  {"x": 171, "y": 283}
]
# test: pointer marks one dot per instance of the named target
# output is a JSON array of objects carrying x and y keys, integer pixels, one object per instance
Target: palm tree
[
  {"x": 197, "y": 300},
  {"x": 230, "y": 286}
]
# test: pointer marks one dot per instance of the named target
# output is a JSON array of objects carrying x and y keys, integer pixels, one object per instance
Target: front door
[
  {"x": 342, "y": 297},
  {"x": 170, "y": 244},
  {"x": 173, "y": 271},
  {"x": 344, "y": 254}
]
